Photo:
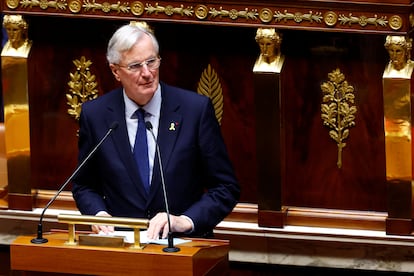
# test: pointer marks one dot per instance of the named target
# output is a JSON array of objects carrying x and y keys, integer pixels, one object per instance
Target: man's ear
[{"x": 114, "y": 70}]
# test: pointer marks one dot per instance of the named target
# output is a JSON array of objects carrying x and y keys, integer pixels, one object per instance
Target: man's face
[{"x": 140, "y": 85}]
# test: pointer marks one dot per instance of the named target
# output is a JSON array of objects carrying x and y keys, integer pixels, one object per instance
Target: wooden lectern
[{"x": 198, "y": 257}]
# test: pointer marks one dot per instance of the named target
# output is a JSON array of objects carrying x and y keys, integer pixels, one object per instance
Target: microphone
[
  {"x": 39, "y": 239},
  {"x": 170, "y": 248}
]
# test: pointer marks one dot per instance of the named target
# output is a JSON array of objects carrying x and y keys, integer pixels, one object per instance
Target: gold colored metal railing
[{"x": 134, "y": 223}]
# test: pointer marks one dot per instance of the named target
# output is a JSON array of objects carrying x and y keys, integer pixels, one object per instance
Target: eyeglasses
[{"x": 152, "y": 64}]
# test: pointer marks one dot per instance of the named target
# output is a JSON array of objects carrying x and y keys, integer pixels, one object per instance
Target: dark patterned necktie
[{"x": 141, "y": 149}]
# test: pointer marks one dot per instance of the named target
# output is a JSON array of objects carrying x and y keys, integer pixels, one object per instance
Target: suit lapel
[
  {"x": 168, "y": 132},
  {"x": 120, "y": 137}
]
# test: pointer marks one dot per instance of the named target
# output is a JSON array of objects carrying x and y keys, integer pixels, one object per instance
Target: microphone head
[
  {"x": 114, "y": 125},
  {"x": 148, "y": 125}
]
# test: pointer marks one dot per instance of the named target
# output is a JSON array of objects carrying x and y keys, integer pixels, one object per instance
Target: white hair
[{"x": 124, "y": 39}]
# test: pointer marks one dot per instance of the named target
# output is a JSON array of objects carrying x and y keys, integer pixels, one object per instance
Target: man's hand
[
  {"x": 158, "y": 225},
  {"x": 102, "y": 228}
]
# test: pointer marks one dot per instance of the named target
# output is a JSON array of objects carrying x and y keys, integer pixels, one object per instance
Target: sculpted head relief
[
  {"x": 399, "y": 51},
  {"x": 270, "y": 59},
  {"x": 18, "y": 43}
]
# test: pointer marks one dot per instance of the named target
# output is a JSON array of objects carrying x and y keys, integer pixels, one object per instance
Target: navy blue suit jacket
[{"x": 198, "y": 173}]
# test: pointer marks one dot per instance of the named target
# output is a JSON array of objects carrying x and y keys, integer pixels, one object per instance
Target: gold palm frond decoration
[
  {"x": 82, "y": 87},
  {"x": 338, "y": 111},
  {"x": 209, "y": 85}
]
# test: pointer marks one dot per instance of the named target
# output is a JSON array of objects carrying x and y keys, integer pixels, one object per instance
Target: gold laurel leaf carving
[
  {"x": 210, "y": 86},
  {"x": 337, "y": 109},
  {"x": 82, "y": 87}
]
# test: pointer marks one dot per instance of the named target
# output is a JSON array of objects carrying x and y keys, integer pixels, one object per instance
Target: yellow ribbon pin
[{"x": 172, "y": 126}]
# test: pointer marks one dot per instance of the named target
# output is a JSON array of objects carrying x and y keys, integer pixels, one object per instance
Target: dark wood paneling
[{"x": 313, "y": 178}]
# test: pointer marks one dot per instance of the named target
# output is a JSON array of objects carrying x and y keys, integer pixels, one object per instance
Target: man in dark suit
[{"x": 200, "y": 182}]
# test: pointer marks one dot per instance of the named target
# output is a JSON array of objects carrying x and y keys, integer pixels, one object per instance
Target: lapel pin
[{"x": 172, "y": 126}]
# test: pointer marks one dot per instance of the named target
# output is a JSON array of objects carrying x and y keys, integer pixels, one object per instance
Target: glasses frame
[{"x": 137, "y": 66}]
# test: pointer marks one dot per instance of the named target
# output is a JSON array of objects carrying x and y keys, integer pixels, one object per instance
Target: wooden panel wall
[
  {"x": 318, "y": 37},
  {"x": 312, "y": 178}
]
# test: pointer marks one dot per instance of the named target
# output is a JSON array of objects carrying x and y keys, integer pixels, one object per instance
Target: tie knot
[{"x": 140, "y": 113}]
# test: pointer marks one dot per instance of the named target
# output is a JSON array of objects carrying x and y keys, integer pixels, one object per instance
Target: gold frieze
[
  {"x": 232, "y": 13},
  {"x": 298, "y": 16},
  {"x": 169, "y": 9},
  {"x": 363, "y": 20},
  {"x": 210, "y": 86},
  {"x": 337, "y": 109},
  {"x": 58, "y": 5},
  {"x": 106, "y": 7},
  {"x": 82, "y": 87}
]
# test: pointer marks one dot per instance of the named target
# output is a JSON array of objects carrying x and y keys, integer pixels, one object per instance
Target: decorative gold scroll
[
  {"x": 298, "y": 17},
  {"x": 82, "y": 87},
  {"x": 338, "y": 111},
  {"x": 209, "y": 85},
  {"x": 363, "y": 20}
]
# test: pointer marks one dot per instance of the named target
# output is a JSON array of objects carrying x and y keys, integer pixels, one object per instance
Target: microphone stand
[
  {"x": 39, "y": 239},
  {"x": 170, "y": 248}
]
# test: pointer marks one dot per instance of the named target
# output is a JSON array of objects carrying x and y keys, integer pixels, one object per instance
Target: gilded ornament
[
  {"x": 75, "y": 6},
  {"x": 209, "y": 85},
  {"x": 82, "y": 87},
  {"x": 411, "y": 18},
  {"x": 266, "y": 15},
  {"x": 298, "y": 17},
  {"x": 363, "y": 20},
  {"x": 395, "y": 22},
  {"x": 106, "y": 7},
  {"x": 169, "y": 10},
  {"x": 201, "y": 12},
  {"x": 44, "y": 4},
  {"x": 137, "y": 8},
  {"x": 337, "y": 109},
  {"x": 330, "y": 18},
  {"x": 12, "y": 4},
  {"x": 234, "y": 14}
]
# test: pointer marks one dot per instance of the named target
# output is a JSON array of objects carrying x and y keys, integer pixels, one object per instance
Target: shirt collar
[{"x": 152, "y": 107}]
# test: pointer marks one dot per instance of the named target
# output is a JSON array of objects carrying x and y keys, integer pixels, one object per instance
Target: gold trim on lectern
[{"x": 134, "y": 223}]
